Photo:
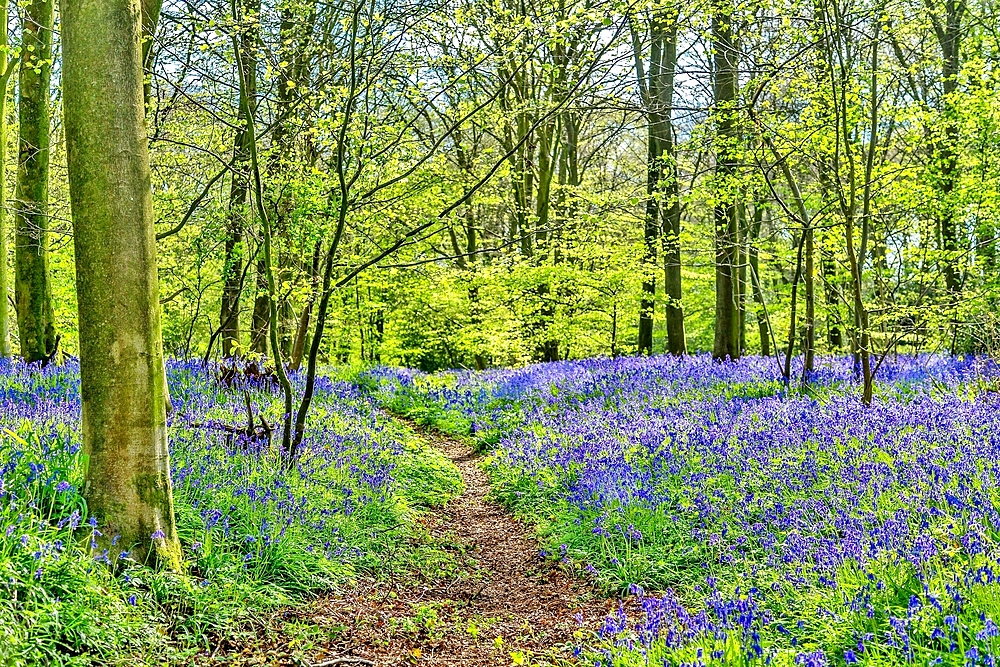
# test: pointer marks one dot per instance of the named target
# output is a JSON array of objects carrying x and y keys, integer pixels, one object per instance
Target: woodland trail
[
  {"x": 503, "y": 604},
  {"x": 487, "y": 599}
]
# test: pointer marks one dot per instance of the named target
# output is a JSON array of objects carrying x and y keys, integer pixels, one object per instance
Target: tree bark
[
  {"x": 726, "y": 217},
  {"x": 946, "y": 149},
  {"x": 809, "y": 329},
  {"x": 662, "y": 219},
  {"x": 127, "y": 478},
  {"x": 299, "y": 346},
  {"x": 33, "y": 288},
  {"x": 260, "y": 323},
  {"x": 753, "y": 259},
  {"x": 5, "y": 74},
  {"x": 835, "y": 336},
  {"x": 232, "y": 271},
  {"x": 741, "y": 282},
  {"x": 150, "y": 17},
  {"x": 793, "y": 307},
  {"x": 823, "y": 63},
  {"x": 232, "y": 287}
]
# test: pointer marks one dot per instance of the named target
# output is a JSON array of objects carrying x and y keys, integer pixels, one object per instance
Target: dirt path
[{"x": 502, "y": 604}]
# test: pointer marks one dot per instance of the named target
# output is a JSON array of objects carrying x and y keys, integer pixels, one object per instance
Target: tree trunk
[
  {"x": 651, "y": 234},
  {"x": 676, "y": 338},
  {"x": 295, "y": 51},
  {"x": 127, "y": 478},
  {"x": 725, "y": 214},
  {"x": 299, "y": 346},
  {"x": 651, "y": 229},
  {"x": 753, "y": 259},
  {"x": 33, "y": 288},
  {"x": 378, "y": 334},
  {"x": 946, "y": 150},
  {"x": 822, "y": 65},
  {"x": 809, "y": 330},
  {"x": 860, "y": 339},
  {"x": 150, "y": 17},
  {"x": 662, "y": 220},
  {"x": 232, "y": 271},
  {"x": 5, "y": 74},
  {"x": 548, "y": 348},
  {"x": 261, "y": 312},
  {"x": 741, "y": 285},
  {"x": 267, "y": 260},
  {"x": 835, "y": 336},
  {"x": 793, "y": 306}
]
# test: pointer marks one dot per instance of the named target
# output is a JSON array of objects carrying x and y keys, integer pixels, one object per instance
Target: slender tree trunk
[
  {"x": 5, "y": 74},
  {"x": 327, "y": 286},
  {"x": 295, "y": 50},
  {"x": 548, "y": 146},
  {"x": 725, "y": 214},
  {"x": 793, "y": 307},
  {"x": 651, "y": 234},
  {"x": 809, "y": 330},
  {"x": 753, "y": 259},
  {"x": 260, "y": 322},
  {"x": 614, "y": 329},
  {"x": 298, "y": 347},
  {"x": 232, "y": 271},
  {"x": 232, "y": 268},
  {"x": 857, "y": 261},
  {"x": 378, "y": 334},
  {"x": 33, "y": 287},
  {"x": 245, "y": 83},
  {"x": 946, "y": 150},
  {"x": 676, "y": 338},
  {"x": 741, "y": 283},
  {"x": 824, "y": 102},
  {"x": 127, "y": 478},
  {"x": 835, "y": 336},
  {"x": 567, "y": 207},
  {"x": 861, "y": 337}
]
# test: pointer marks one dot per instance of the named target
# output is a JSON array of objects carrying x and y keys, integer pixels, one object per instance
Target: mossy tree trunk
[
  {"x": 150, "y": 17},
  {"x": 33, "y": 288},
  {"x": 127, "y": 483},
  {"x": 5, "y": 73}
]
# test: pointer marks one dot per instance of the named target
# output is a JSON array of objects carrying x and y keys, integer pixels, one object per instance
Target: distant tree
[
  {"x": 229, "y": 316},
  {"x": 663, "y": 210},
  {"x": 726, "y": 77},
  {"x": 33, "y": 286}
]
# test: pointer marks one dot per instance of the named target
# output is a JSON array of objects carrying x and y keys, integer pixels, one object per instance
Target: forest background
[{"x": 473, "y": 183}]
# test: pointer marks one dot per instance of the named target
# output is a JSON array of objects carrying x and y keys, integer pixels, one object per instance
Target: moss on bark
[
  {"x": 121, "y": 356},
  {"x": 32, "y": 286}
]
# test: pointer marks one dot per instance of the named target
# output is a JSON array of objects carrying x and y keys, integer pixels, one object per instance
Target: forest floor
[{"x": 494, "y": 601}]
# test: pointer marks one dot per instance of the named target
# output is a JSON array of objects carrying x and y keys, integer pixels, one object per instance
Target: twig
[{"x": 344, "y": 661}]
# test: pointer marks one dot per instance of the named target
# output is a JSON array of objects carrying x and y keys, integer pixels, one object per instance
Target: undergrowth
[
  {"x": 757, "y": 523},
  {"x": 255, "y": 535}
]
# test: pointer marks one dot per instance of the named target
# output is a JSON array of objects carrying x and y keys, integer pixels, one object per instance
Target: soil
[
  {"x": 498, "y": 602},
  {"x": 506, "y": 605}
]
